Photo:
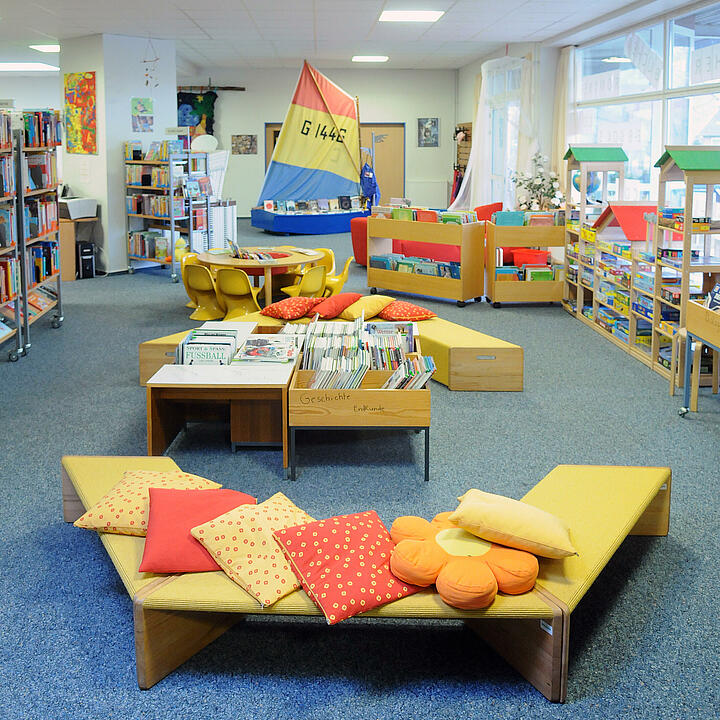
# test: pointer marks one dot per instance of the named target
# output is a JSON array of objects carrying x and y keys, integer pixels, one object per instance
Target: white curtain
[
  {"x": 506, "y": 83},
  {"x": 564, "y": 113}
]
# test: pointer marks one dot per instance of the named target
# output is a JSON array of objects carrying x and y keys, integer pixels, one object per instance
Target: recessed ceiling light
[
  {"x": 369, "y": 58},
  {"x": 45, "y": 48},
  {"x": 411, "y": 15},
  {"x": 27, "y": 67},
  {"x": 616, "y": 59}
]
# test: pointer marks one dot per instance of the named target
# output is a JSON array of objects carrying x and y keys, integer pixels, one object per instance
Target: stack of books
[
  {"x": 275, "y": 348},
  {"x": 42, "y": 128},
  {"x": 7, "y": 176},
  {"x": 417, "y": 265},
  {"x": 207, "y": 347},
  {"x": 40, "y": 170}
]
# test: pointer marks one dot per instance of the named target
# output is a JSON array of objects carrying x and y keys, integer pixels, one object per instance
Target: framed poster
[
  {"x": 80, "y": 113},
  {"x": 244, "y": 144},
  {"x": 428, "y": 132}
]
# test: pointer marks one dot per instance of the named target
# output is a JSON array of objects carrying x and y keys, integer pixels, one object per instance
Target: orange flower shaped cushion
[{"x": 467, "y": 571}]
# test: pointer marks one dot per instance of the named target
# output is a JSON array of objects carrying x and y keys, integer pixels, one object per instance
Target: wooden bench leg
[
  {"x": 656, "y": 518},
  {"x": 537, "y": 649},
  {"x": 165, "y": 639},
  {"x": 72, "y": 507}
]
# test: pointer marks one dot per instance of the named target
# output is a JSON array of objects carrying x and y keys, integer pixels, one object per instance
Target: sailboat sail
[{"x": 317, "y": 154}]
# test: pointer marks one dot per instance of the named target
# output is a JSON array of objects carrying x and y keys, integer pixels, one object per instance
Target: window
[
  {"x": 695, "y": 48},
  {"x": 625, "y": 65},
  {"x": 622, "y": 97}
]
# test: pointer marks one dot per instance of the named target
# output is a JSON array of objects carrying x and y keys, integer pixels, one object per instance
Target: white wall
[
  {"x": 385, "y": 96},
  {"x": 119, "y": 76},
  {"x": 38, "y": 90}
]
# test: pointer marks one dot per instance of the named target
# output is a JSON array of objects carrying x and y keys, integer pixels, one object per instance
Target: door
[{"x": 389, "y": 154}]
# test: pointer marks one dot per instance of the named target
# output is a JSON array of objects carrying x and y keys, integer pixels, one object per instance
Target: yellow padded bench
[
  {"x": 175, "y": 616},
  {"x": 466, "y": 359}
]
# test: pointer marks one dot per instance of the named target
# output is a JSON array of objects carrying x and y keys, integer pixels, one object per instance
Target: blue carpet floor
[{"x": 643, "y": 640}]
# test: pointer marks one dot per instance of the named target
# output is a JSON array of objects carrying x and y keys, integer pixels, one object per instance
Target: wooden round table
[{"x": 290, "y": 256}]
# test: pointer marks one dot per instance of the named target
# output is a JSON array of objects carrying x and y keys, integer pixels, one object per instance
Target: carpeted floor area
[{"x": 644, "y": 640}]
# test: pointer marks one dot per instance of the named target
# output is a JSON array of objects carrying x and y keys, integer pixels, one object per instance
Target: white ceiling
[{"x": 281, "y": 33}]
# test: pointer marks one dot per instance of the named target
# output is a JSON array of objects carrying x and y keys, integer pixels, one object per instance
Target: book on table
[
  {"x": 207, "y": 347},
  {"x": 275, "y": 347}
]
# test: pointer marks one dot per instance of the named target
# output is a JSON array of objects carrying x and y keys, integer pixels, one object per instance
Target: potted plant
[{"x": 539, "y": 189}]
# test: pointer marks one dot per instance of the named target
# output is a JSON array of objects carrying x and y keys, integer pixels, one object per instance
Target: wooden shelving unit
[
  {"x": 173, "y": 189},
  {"x": 579, "y": 238},
  {"x": 469, "y": 237},
  {"x": 521, "y": 237},
  {"x": 698, "y": 169}
]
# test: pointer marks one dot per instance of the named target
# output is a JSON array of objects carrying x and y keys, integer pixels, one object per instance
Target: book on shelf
[
  {"x": 5, "y": 130},
  {"x": 8, "y": 230},
  {"x": 275, "y": 347},
  {"x": 713, "y": 299},
  {"x": 40, "y": 170},
  {"x": 7, "y": 176},
  {"x": 205, "y": 185},
  {"x": 313, "y": 206},
  {"x": 9, "y": 279},
  {"x": 5, "y": 330},
  {"x": 323, "y": 204},
  {"x": 133, "y": 150},
  {"x": 333, "y": 204},
  {"x": 41, "y": 128},
  {"x": 344, "y": 202},
  {"x": 268, "y": 205}
]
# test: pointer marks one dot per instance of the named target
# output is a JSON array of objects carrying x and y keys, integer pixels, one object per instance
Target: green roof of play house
[
  {"x": 596, "y": 154},
  {"x": 700, "y": 159}
]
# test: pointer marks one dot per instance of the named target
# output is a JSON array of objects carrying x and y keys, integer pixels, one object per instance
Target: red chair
[{"x": 484, "y": 212}]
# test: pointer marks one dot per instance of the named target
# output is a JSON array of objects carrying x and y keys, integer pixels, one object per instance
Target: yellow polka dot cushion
[
  {"x": 124, "y": 509},
  {"x": 467, "y": 571},
  {"x": 241, "y": 542},
  {"x": 405, "y": 311},
  {"x": 513, "y": 523},
  {"x": 343, "y": 564}
]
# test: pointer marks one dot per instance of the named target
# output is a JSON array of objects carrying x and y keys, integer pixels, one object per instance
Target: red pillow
[
  {"x": 331, "y": 307},
  {"x": 343, "y": 563},
  {"x": 402, "y": 310},
  {"x": 169, "y": 546},
  {"x": 291, "y": 308}
]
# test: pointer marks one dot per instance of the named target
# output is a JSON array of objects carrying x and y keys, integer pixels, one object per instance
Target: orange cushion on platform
[
  {"x": 169, "y": 546},
  {"x": 291, "y": 308},
  {"x": 331, "y": 307},
  {"x": 124, "y": 509},
  {"x": 402, "y": 310}
]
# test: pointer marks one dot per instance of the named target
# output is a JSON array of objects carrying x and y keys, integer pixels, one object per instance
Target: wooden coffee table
[{"x": 255, "y": 394}]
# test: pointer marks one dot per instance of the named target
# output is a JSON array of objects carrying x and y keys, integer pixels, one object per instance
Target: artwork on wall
[
  {"x": 141, "y": 111},
  {"x": 80, "y": 113},
  {"x": 197, "y": 111},
  {"x": 244, "y": 144},
  {"x": 428, "y": 132}
]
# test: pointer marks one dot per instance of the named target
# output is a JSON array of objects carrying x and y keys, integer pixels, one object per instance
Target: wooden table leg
[
  {"x": 285, "y": 426},
  {"x": 163, "y": 423},
  {"x": 268, "y": 286}
]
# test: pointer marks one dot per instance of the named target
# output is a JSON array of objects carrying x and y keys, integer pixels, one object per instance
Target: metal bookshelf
[{"x": 163, "y": 222}]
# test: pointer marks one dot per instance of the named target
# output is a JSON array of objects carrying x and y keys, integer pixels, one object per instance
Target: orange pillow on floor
[
  {"x": 331, "y": 307},
  {"x": 291, "y": 308},
  {"x": 402, "y": 310}
]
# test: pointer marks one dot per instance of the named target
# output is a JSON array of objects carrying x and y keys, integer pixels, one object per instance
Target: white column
[{"x": 119, "y": 76}]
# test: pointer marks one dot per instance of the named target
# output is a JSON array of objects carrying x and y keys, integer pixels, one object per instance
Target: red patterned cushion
[
  {"x": 343, "y": 563},
  {"x": 331, "y": 307},
  {"x": 291, "y": 308},
  {"x": 402, "y": 310},
  {"x": 169, "y": 546}
]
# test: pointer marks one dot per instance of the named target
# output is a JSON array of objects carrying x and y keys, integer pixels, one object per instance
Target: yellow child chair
[
  {"x": 335, "y": 283},
  {"x": 312, "y": 284},
  {"x": 235, "y": 293},
  {"x": 327, "y": 260},
  {"x": 202, "y": 286},
  {"x": 188, "y": 259},
  {"x": 294, "y": 275}
]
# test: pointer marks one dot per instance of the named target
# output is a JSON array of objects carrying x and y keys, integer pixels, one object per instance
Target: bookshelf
[
  {"x": 523, "y": 291},
  {"x": 37, "y": 223},
  {"x": 469, "y": 237},
  {"x": 686, "y": 254},
  {"x": 163, "y": 205},
  {"x": 11, "y": 328},
  {"x": 592, "y": 163}
]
